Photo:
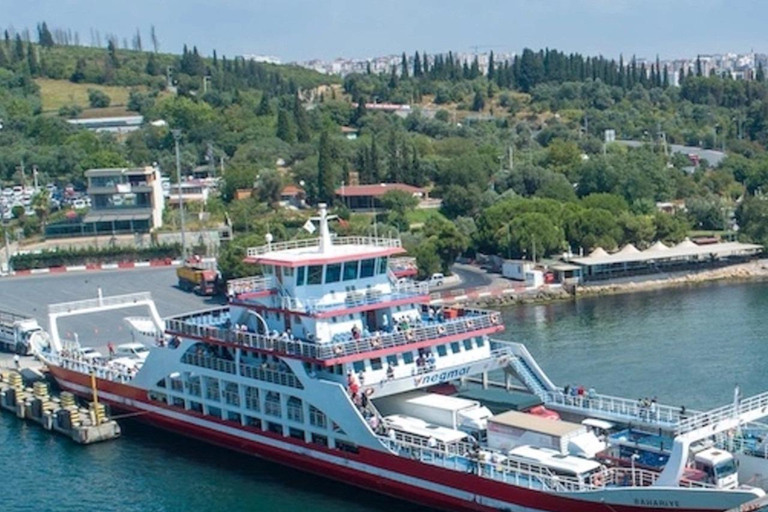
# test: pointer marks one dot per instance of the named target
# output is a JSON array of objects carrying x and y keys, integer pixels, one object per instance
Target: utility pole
[
  {"x": 511, "y": 153},
  {"x": 5, "y": 236},
  {"x": 176, "y": 137}
]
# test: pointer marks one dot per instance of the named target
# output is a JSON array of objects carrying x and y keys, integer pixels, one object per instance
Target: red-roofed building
[
  {"x": 363, "y": 197},
  {"x": 291, "y": 195}
]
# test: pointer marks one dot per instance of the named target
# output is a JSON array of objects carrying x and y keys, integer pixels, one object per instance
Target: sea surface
[{"x": 687, "y": 347}]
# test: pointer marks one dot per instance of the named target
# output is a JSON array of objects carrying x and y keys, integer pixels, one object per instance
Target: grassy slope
[{"x": 58, "y": 93}]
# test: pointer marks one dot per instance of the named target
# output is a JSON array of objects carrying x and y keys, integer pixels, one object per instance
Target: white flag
[{"x": 309, "y": 226}]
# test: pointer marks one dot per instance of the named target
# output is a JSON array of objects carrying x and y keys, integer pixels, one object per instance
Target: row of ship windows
[
  {"x": 272, "y": 410},
  {"x": 377, "y": 363},
  {"x": 333, "y": 272}
]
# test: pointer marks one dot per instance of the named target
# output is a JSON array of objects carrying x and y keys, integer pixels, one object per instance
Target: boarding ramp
[
  {"x": 529, "y": 372},
  {"x": 97, "y": 305}
]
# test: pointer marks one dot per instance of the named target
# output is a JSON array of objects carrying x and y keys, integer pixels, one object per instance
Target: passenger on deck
[
  {"x": 385, "y": 323},
  {"x": 390, "y": 372}
]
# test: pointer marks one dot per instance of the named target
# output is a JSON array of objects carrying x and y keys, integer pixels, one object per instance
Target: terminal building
[{"x": 630, "y": 261}]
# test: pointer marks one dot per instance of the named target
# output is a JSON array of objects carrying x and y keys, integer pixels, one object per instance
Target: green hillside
[{"x": 514, "y": 151}]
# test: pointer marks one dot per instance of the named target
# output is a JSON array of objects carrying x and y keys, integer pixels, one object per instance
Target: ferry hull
[{"x": 379, "y": 471}]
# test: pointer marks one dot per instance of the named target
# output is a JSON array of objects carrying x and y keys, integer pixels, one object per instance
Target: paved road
[
  {"x": 471, "y": 277},
  {"x": 31, "y": 295},
  {"x": 713, "y": 157}
]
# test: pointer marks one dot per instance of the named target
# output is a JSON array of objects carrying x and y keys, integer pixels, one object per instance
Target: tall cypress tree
[
  {"x": 79, "y": 73},
  {"x": 285, "y": 128},
  {"x": 44, "y": 36},
  {"x": 32, "y": 62},
  {"x": 417, "y": 72},
  {"x": 491, "y": 67},
  {"x": 760, "y": 74},
  {"x": 325, "y": 178},
  {"x": 300, "y": 117},
  {"x": 18, "y": 49},
  {"x": 404, "y": 66},
  {"x": 264, "y": 109}
]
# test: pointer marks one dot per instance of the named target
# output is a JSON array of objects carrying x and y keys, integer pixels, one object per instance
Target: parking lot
[{"x": 31, "y": 296}]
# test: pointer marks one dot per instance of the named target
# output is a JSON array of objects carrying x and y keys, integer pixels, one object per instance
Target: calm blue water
[{"x": 684, "y": 346}]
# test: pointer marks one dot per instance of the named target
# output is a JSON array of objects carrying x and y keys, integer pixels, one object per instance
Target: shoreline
[{"x": 745, "y": 272}]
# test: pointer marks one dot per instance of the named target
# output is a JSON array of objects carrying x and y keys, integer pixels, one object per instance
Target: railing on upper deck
[
  {"x": 745, "y": 406},
  {"x": 315, "y": 242},
  {"x": 252, "y": 372},
  {"x": 356, "y": 298},
  {"x": 473, "y": 320},
  {"x": 236, "y": 287},
  {"x": 86, "y": 304},
  {"x": 633, "y": 410},
  {"x": 101, "y": 369}
]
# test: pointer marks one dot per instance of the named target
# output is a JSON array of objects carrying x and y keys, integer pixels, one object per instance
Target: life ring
[
  {"x": 338, "y": 350},
  {"x": 470, "y": 324},
  {"x": 495, "y": 318},
  {"x": 409, "y": 335},
  {"x": 597, "y": 480},
  {"x": 376, "y": 342},
  {"x": 369, "y": 391},
  {"x": 441, "y": 329}
]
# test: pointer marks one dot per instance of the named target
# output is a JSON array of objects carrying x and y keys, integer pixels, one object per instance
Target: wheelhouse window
[
  {"x": 300, "y": 273},
  {"x": 333, "y": 273},
  {"x": 350, "y": 270},
  {"x": 315, "y": 274},
  {"x": 383, "y": 265},
  {"x": 367, "y": 267}
]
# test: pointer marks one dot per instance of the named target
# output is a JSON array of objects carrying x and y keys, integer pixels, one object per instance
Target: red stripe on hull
[{"x": 469, "y": 483}]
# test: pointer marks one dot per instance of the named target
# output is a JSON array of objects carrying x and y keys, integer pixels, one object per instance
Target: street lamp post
[{"x": 176, "y": 137}]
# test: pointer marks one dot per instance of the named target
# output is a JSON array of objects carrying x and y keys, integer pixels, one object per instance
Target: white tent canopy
[{"x": 659, "y": 251}]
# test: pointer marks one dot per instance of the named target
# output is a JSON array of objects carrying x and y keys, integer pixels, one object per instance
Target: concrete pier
[{"x": 59, "y": 413}]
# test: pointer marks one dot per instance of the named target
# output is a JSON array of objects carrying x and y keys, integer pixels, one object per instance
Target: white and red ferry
[{"x": 293, "y": 368}]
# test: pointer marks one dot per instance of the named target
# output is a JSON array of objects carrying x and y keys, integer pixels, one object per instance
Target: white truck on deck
[
  {"x": 511, "y": 429},
  {"x": 450, "y": 412},
  {"x": 19, "y": 333}
]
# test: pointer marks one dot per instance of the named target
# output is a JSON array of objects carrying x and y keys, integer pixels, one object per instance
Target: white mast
[{"x": 325, "y": 234}]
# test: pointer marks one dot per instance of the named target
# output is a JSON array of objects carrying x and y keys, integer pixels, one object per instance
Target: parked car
[
  {"x": 437, "y": 279},
  {"x": 132, "y": 351},
  {"x": 89, "y": 353}
]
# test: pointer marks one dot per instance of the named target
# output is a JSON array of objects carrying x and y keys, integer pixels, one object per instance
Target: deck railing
[
  {"x": 253, "y": 284},
  {"x": 253, "y": 372},
  {"x": 315, "y": 242},
  {"x": 100, "y": 368},
  {"x": 463, "y": 457},
  {"x": 711, "y": 418},
  {"x": 212, "y": 363},
  {"x": 117, "y": 300},
  {"x": 472, "y": 320},
  {"x": 654, "y": 413},
  {"x": 272, "y": 376}
]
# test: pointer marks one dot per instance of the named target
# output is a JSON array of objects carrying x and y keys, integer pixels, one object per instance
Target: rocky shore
[
  {"x": 756, "y": 270},
  {"x": 752, "y": 271}
]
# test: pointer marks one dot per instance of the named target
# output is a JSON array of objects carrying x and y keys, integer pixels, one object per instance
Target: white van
[{"x": 132, "y": 351}]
